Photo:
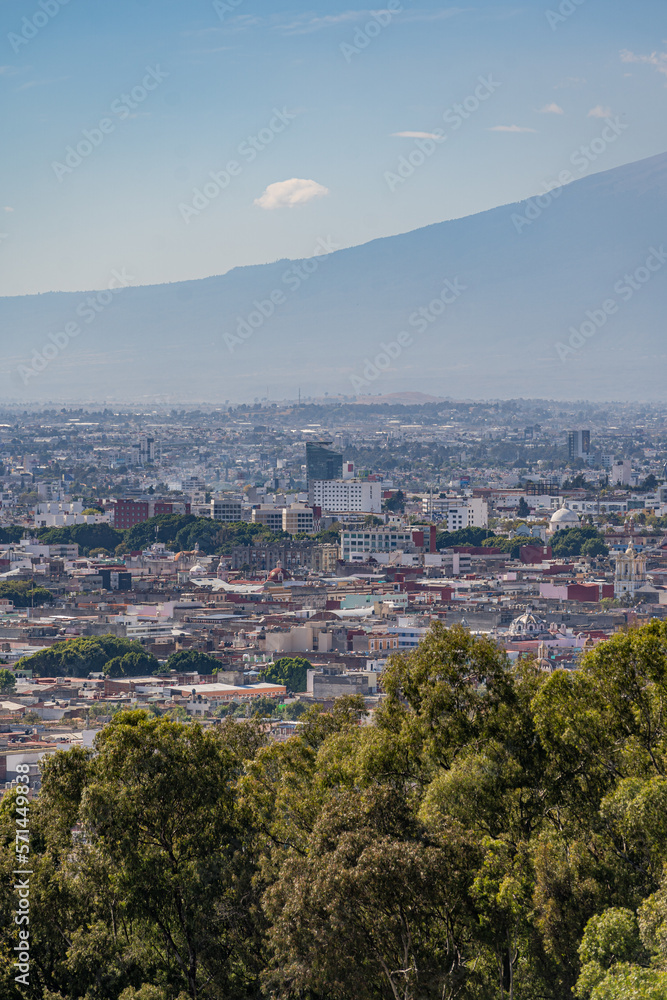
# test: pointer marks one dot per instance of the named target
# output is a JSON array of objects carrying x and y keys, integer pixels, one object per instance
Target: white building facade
[{"x": 342, "y": 495}]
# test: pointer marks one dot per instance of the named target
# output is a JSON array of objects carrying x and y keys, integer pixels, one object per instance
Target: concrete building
[
  {"x": 342, "y": 495},
  {"x": 620, "y": 473},
  {"x": 297, "y": 518},
  {"x": 579, "y": 445},
  {"x": 269, "y": 515},
  {"x": 360, "y": 543},
  {"x": 127, "y": 512},
  {"x": 457, "y": 512},
  {"x": 227, "y": 510}
]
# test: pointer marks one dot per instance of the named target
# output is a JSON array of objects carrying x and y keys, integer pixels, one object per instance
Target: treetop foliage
[
  {"x": 107, "y": 654},
  {"x": 491, "y": 830}
]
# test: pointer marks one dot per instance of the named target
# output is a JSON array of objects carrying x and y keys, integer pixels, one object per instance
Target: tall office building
[
  {"x": 321, "y": 462},
  {"x": 579, "y": 444}
]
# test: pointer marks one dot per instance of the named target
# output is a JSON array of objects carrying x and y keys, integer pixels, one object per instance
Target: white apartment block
[
  {"x": 359, "y": 543},
  {"x": 458, "y": 512},
  {"x": 342, "y": 495},
  {"x": 228, "y": 510}
]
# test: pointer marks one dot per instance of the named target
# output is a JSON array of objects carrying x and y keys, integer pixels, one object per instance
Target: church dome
[
  {"x": 563, "y": 518},
  {"x": 277, "y": 575},
  {"x": 528, "y": 625}
]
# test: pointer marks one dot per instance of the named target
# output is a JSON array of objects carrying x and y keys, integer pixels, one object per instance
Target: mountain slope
[{"x": 520, "y": 277}]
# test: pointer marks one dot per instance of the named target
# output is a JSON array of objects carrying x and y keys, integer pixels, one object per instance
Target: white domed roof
[{"x": 564, "y": 516}]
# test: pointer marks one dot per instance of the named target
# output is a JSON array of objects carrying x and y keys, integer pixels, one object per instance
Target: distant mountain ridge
[{"x": 569, "y": 303}]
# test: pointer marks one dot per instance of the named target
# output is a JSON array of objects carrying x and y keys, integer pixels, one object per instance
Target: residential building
[
  {"x": 227, "y": 510},
  {"x": 579, "y": 445},
  {"x": 342, "y": 495},
  {"x": 269, "y": 515},
  {"x": 357, "y": 544},
  {"x": 297, "y": 518},
  {"x": 457, "y": 512},
  {"x": 128, "y": 512}
]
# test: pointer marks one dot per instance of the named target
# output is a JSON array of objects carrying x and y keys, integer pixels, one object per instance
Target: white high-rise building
[{"x": 341, "y": 495}]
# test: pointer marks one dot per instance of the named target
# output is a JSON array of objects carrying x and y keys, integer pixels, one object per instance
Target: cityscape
[{"x": 333, "y": 501}]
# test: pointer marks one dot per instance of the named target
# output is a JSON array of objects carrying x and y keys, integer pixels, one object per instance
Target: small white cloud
[
  {"x": 552, "y": 109},
  {"x": 287, "y": 194},
  {"x": 511, "y": 128},
  {"x": 7, "y": 208},
  {"x": 657, "y": 59},
  {"x": 599, "y": 111},
  {"x": 416, "y": 135}
]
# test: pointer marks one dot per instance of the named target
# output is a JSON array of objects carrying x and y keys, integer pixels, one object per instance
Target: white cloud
[
  {"x": 287, "y": 194},
  {"x": 552, "y": 109},
  {"x": 416, "y": 135},
  {"x": 657, "y": 59},
  {"x": 511, "y": 128},
  {"x": 306, "y": 24},
  {"x": 599, "y": 111},
  {"x": 8, "y": 208}
]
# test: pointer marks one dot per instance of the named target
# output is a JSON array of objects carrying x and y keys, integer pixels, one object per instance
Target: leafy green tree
[
  {"x": 396, "y": 503},
  {"x": 79, "y": 657},
  {"x": 24, "y": 594},
  {"x": 523, "y": 510},
  {"x": 191, "y": 661},
  {"x": 7, "y": 681},
  {"x": 462, "y": 536},
  {"x": 11, "y": 533},
  {"x": 86, "y": 536},
  {"x": 571, "y": 541},
  {"x": 158, "y": 889},
  {"x": 292, "y": 671},
  {"x": 445, "y": 692},
  {"x": 132, "y": 664}
]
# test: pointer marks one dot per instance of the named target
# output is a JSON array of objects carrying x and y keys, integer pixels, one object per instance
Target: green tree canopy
[
  {"x": 292, "y": 671},
  {"x": 23, "y": 593},
  {"x": 7, "y": 681},
  {"x": 571, "y": 541},
  {"x": 79, "y": 657},
  {"x": 191, "y": 660},
  {"x": 86, "y": 536},
  {"x": 462, "y": 536}
]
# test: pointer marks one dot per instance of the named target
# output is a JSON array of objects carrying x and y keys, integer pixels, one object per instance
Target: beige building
[
  {"x": 297, "y": 518},
  {"x": 269, "y": 515}
]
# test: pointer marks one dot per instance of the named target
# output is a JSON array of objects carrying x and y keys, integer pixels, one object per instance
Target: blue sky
[{"x": 322, "y": 92}]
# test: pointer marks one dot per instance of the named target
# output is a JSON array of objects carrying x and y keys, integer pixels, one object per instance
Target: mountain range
[{"x": 560, "y": 296}]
